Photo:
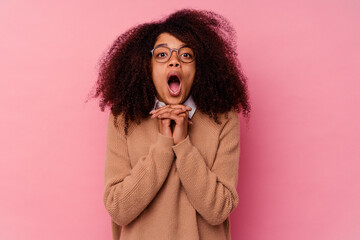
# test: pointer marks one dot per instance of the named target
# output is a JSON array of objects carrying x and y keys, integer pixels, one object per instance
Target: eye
[
  {"x": 161, "y": 55},
  {"x": 187, "y": 55}
]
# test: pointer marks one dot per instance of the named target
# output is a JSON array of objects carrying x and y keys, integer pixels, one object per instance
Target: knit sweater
[{"x": 155, "y": 190}]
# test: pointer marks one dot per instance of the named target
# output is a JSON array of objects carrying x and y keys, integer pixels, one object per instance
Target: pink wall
[{"x": 299, "y": 169}]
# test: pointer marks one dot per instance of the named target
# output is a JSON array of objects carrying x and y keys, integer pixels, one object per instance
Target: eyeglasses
[{"x": 162, "y": 54}]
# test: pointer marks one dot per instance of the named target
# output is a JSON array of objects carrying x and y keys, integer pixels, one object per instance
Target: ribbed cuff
[
  {"x": 183, "y": 148},
  {"x": 164, "y": 141}
]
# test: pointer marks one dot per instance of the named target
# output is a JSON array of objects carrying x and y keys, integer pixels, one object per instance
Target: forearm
[
  {"x": 129, "y": 190},
  {"x": 212, "y": 195}
]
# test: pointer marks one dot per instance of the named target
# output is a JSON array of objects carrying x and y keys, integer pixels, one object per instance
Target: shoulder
[
  {"x": 227, "y": 120},
  {"x": 223, "y": 118},
  {"x": 232, "y": 115},
  {"x": 117, "y": 123}
]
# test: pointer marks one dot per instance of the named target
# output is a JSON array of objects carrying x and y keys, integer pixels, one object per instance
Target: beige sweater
[{"x": 155, "y": 190}]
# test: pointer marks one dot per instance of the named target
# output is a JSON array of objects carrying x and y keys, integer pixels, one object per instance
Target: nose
[{"x": 174, "y": 60}]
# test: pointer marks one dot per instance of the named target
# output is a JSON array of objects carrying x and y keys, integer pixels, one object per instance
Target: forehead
[{"x": 168, "y": 40}]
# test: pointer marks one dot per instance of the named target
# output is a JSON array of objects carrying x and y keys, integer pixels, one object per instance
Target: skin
[{"x": 173, "y": 118}]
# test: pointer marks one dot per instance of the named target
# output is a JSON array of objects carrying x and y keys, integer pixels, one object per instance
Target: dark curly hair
[{"x": 125, "y": 81}]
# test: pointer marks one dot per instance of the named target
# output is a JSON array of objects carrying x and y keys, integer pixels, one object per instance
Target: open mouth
[{"x": 174, "y": 84}]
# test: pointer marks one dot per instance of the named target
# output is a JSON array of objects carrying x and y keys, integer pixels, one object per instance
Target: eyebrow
[{"x": 166, "y": 45}]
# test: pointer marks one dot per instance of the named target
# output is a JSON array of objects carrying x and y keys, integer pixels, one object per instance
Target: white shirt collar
[{"x": 189, "y": 102}]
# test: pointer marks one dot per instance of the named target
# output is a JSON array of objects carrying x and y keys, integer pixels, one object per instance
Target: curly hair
[{"x": 125, "y": 81}]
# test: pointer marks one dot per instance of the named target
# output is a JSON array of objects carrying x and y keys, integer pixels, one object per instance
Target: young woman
[{"x": 175, "y": 89}]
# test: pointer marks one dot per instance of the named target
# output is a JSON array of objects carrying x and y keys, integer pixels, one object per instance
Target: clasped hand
[{"x": 173, "y": 121}]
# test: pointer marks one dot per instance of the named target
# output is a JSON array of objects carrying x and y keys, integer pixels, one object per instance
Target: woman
[{"x": 172, "y": 174}]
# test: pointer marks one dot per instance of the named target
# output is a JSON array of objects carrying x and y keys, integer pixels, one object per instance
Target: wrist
[{"x": 179, "y": 140}]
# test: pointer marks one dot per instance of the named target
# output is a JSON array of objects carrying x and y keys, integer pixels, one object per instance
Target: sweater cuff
[
  {"x": 183, "y": 148},
  {"x": 164, "y": 141}
]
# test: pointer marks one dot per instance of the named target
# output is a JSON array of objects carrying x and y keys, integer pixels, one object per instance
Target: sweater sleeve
[
  {"x": 129, "y": 190},
  {"x": 212, "y": 192}
]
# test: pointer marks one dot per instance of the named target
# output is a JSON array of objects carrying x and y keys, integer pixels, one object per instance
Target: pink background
[{"x": 299, "y": 172}]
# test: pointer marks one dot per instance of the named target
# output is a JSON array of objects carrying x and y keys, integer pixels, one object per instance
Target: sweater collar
[{"x": 189, "y": 102}]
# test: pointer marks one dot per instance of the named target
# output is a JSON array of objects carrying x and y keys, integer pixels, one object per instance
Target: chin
[{"x": 173, "y": 101}]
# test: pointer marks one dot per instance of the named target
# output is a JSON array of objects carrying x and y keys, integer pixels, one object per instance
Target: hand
[{"x": 176, "y": 113}]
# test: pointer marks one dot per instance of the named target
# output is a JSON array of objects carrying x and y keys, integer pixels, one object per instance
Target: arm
[
  {"x": 129, "y": 190},
  {"x": 212, "y": 192}
]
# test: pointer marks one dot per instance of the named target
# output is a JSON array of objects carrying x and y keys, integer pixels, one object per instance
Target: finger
[
  {"x": 181, "y": 106},
  {"x": 158, "y": 109},
  {"x": 170, "y": 110},
  {"x": 175, "y": 111},
  {"x": 162, "y": 111},
  {"x": 183, "y": 114},
  {"x": 177, "y": 118},
  {"x": 164, "y": 127},
  {"x": 175, "y": 106},
  {"x": 164, "y": 122}
]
